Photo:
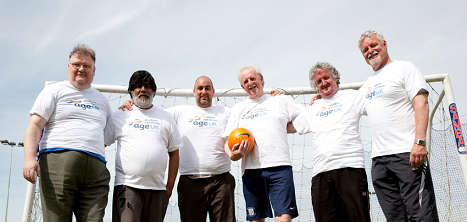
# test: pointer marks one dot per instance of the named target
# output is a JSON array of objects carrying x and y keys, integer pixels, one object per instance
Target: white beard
[
  {"x": 143, "y": 103},
  {"x": 375, "y": 58}
]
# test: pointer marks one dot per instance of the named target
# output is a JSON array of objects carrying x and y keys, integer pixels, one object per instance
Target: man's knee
[{"x": 283, "y": 218}]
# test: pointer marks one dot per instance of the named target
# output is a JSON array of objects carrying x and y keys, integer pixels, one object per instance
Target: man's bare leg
[{"x": 283, "y": 218}]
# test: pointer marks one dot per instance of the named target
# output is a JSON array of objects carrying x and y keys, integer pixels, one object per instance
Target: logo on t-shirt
[
  {"x": 330, "y": 109},
  {"x": 256, "y": 113},
  {"x": 83, "y": 104},
  {"x": 146, "y": 124},
  {"x": 205, "y": 121},
  {"x": 376, "y": 91}
]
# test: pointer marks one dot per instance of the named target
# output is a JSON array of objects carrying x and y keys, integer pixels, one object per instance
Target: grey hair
[
  {"x": 319, "y": 67},
  {"x": 84, "y": 49},
  {"x": 368, "y": 34},
  {"x": 258, "y": 71}
]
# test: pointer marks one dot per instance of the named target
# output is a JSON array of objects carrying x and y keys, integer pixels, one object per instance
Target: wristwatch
[{"x": 420, "y": 142}]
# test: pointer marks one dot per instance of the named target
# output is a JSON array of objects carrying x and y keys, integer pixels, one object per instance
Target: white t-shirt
[
  {"x": 388, "y": 102},
  {"x": 145, "y": 136},
  {"x": 76, "y": 118},
  {"x": 266, "y": 118},
  {"x": 336, "y": 137},
  {"x": 203, "y": 145}
]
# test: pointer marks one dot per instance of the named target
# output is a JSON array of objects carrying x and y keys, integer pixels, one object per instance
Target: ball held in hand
[{"x": 239, "y": 134}]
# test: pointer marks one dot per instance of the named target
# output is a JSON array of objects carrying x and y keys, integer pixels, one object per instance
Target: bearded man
[{"x": 145, "y": 136}]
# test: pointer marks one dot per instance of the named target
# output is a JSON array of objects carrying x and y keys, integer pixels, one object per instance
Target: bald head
[{"x": 203, "y": 92}]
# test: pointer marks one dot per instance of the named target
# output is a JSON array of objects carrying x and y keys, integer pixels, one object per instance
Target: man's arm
[
  {"x": 31, "y": 138},
  {"x": 127, "y": 105},
  {"x": 173, "y": 169},
  {"x": 238, "y": 151},
  {"x": 420, "y": 104},
  {"x": 291, "y": 128}
]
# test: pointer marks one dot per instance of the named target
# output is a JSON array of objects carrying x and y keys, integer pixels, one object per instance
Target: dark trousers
[
  {"x": 73, "y": 182},
  {"x": 341, "y": 195},
  {"x": 403, "y": 193},
  {"x": 197, "y": 197}
]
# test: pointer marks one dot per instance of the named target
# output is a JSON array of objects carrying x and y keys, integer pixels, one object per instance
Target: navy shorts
[{"x": 269, "y": 185}]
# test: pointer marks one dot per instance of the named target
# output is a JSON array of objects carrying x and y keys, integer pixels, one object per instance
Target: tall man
[
  {"x": 339, "y": 187},
  {"x": 205, "y": 184},
  {"x": 146, "y": 136},
  {"x": 72, "y": 171},
  {"x": 397, "y": 107},
  {"x": 267, "y": 171}
]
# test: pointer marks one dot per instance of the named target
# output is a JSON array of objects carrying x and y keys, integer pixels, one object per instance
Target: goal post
[{"x": 450, "y": 120}]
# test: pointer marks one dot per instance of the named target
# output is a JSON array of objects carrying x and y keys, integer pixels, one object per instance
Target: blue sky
[{"x": 177, "y": 41}]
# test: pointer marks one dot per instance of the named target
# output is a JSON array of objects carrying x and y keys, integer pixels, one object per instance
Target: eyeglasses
[{"x": 77, "y": 66}]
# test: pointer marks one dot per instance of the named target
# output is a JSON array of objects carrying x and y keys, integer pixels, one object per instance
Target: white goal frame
[{"x": 444, "y": 78}]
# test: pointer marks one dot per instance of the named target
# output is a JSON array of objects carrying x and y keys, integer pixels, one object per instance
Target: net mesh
[{"x": 450, "y": 191}]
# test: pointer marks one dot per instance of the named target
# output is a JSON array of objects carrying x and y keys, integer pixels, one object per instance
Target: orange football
[{"x": 240, "y": 134}]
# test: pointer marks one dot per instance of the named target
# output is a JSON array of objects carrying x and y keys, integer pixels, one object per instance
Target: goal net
[{"x": 446, "y": 154}]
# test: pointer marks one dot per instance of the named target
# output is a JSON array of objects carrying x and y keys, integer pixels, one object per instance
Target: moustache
[
  {"x": 372, "y": 54},
  {"x": 143, "y": 94}
]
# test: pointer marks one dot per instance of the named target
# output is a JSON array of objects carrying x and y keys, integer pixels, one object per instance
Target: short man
[
  {"x": 72, "y": 171},
  {"x": 339, "y": 187},
  {"x": 267, "y": 171},
  {"x": 145, "y": 136},
  {"x": 397, "y": 107}
]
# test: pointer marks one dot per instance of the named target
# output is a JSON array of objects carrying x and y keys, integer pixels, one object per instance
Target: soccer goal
[{"x": 445, "y": 142}]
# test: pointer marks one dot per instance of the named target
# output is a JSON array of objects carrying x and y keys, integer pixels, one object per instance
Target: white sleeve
[
  {"x": 109, "y": 132},
  {"x": 359, "y": 100},
  {"x": 293, "y": 107},
  {"x": 175, "y": 140},
  {"x": 45, "y": 103},
  {"x": 231, "y": 124},
  {"x": 302, "y": 122},
  {"x": 173, "y": 111},
  {"x": 413, "y": 80}
]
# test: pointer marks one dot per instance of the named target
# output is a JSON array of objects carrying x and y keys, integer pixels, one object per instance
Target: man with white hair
[
  {"x": 397, "y": 106},
  {"x": 147, "y": 138},
  {"x": 267, "y": 171},
  {"x": 339, "y": 187}
]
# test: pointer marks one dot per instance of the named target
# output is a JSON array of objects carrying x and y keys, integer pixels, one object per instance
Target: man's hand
[
  {"x": 417, "y": 155},
  {"x": 276, "y": 92},
  {"x": 169, "y": 189},
  {"x": 31, "y": 138},
  {"x": 30, "y": 168},
  {"x": 238, "y": 151},
  {"x": 317, "y": 96},
  {"x": 127, "y": 105}
]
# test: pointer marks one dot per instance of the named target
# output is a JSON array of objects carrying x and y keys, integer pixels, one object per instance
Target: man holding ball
[{"x": 267, "y": 171}]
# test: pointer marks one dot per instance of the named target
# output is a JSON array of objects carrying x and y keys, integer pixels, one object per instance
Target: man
[
  {"x": 205, "y": 184},
  {"x": 267, "y": 171},
  {"x": 397, "y": 107},
  {"x": 72, "y": 171},
  {"x": 146, "y": 136},
  {"x": 339, "y": 187}
]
